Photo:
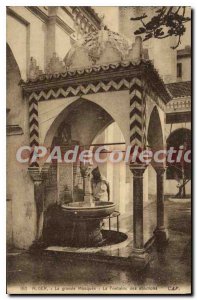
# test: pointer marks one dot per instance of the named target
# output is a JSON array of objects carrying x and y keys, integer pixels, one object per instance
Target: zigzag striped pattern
[
  {"x": 33, "y": 126},
  {"x": 74, "y": 91},
  {"x": 137, "y": 114},
  {"x": 144, "y": 117}
]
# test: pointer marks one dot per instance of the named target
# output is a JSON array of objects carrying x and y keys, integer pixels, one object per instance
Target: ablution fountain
[{"x": 85, "y": 218}]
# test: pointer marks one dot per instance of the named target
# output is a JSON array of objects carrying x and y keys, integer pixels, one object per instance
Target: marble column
[
  {"x": 138, "y": 235},
  {"x": 138, "y": 172},
  {"x": 160, "y": 231}
]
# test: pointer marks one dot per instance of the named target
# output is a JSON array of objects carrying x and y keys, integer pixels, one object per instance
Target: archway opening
[
  {"x": 155, "y": 133},
  {"x": 178, "y": 173},
  {"x": 155, "y": 143},
  {"x": 83, "y": 123},
  {"x": 86, "y": 125}
]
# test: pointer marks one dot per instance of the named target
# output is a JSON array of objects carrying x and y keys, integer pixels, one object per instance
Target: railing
[{"x": 179, "y": 105}]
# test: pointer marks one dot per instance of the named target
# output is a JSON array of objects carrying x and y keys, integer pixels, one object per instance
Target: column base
[
  {"x": 161, "y": 235},
  {"x": 37, "y": 245},
  {"x": 140, "y": 258}
]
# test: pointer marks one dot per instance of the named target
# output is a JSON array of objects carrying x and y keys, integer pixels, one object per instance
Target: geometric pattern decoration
[
  {"x": 144, "y": 101},
  {"x": 68, "y": 74},
  {"x": 137, "y": 114},
  {"x": 33, "y": 126},
  {"x": 126, "y": 70},
  {"x": 138, "y": 93},
  {"x": 81, "y": 89}
]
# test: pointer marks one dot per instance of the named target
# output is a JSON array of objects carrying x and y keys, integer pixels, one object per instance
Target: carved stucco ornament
[
  {"x": 55, "y": 65},
  {"x": 34, "y": 70},
  {"x": 103, "y": 47},
  {"x": 94, "y": 49}
]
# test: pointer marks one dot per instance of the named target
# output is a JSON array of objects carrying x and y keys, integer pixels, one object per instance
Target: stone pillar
[
  {"x": 138, "y": 206},
  {"x": 160, "y": 231},
  {"x": 51, "y": 32},
  {"x": 139, "y": 253},
  {"x": 37, "y": 178}
]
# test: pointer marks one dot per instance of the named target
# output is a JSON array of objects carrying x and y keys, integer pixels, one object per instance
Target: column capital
[
  {"x": 45, "y": 171},
  {"x": 138, "y": 169},
  {"x": 85, "y": 169},
  {"x": 160, "y": 170},
  {"x": 35, "y": 175}
]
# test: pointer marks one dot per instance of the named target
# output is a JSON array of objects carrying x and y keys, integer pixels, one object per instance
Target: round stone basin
[{"x": 97, "y": 209}]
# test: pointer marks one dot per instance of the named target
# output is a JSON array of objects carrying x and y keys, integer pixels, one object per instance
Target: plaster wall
[
  {"x": 26, "y": 40},
  {"x": 17, "y": 40},
  {"x": 62, "y": 42},
  {"x": 21, "y": 210},
  {"x": 111, "y": 16},
  {"x": 20, "y": 189}
]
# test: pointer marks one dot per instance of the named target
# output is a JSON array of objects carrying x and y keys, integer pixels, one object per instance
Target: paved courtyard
[{"x": 170, "y": 268}]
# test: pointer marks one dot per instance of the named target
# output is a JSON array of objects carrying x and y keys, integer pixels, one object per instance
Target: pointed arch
[{"x": 86, "y": 117}]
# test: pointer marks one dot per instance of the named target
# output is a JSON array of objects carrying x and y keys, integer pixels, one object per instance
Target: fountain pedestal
[
  {"x": 85, "y": 221},
  {"x": 86, "y": 232}
]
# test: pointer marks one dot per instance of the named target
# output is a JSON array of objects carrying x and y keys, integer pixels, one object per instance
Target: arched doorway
[
  {"x": 85, "y": 122},
  {"x": 179, "y": 173},
  {"x": 155, "y": 132},
  {"x": 155, "y": 143}
]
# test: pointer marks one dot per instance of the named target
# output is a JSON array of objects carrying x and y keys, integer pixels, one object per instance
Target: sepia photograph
[{"x": 98, "y": 150}]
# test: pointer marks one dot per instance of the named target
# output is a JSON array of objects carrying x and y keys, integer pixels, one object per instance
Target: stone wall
[{"x": 21, "y": 205}]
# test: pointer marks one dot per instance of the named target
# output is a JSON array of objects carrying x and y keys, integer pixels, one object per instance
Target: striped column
[
  {"x": 138, "y": 138},
  {"x": 137, "y": 114},
  {"x": 33, "y": 125}
]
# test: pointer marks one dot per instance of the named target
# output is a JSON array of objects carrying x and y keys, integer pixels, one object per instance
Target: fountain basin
[
  {"x": 98, "y": 209},
  {"x": 86, "y": 221}
]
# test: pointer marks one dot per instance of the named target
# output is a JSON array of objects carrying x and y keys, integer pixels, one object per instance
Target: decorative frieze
[
  {"x": 81, "y": 89},
  {"x": 179, "y": 105},
  {"x": 99, "y": 73}
]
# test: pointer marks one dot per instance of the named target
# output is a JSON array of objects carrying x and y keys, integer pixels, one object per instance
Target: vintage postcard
[{"x": 98, "y": 150}]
